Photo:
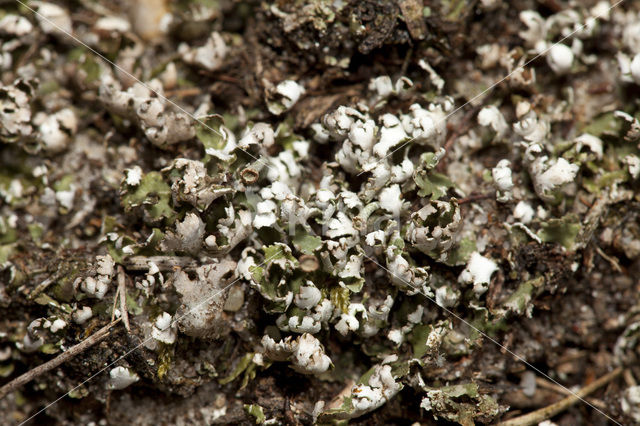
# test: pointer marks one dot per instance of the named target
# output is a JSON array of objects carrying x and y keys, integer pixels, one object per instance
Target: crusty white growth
[
  {"x": 133, "y": 176},
  {"x": 57, "y": 325},
  {"x": 161, "y": 126},
  {"x": 382, "y": 86},
  {"x": 536, "y": 32},
  {"x": 446, "y": 297},
  {"x": 15, "y": 111},
  {"x": 308, "y": 297},
  {"x": 80, "y": 316},
  {"x": 121, "y": 377},
  {"x": 478, "y": 272},
  {"x": 66, "y": 197},
  {"x": 348, "y": 321},
  {"x": 402, "y": 274},
  {"x": 624, "y": 63},
  {"x": 428, "y": 126},
  {"x": 105, "y": 266},
  {"x": 191, "y": 184},
  {"x": 594, "y": 143},
  {"x": 416, "y": 316},
  {"x": 94, "y": 288},
  {"x": 188, "y": 236},
  {"x": 201, "y": 312},
  {"x": 429, "y": 237},
  {"x": 351, "y": 267},
  {"x": 532, "y": 128},
  {"x": 341, "y": 225},
  {"x": 634, "y": 68},
  {"x": 390, "y": 199},
  {"x": 284, "y": 168},
  {"x": 523, "y": 212},
  {"x": 308, "y": 324},
  {"x": 547, "y": 178},
  {"x": 396, "y": 336},
  {"x": 503, "y": 180},
  {"x": 305, "y": 352},
  {"x": 435, "y": 79},
  {"x": 560, "y": 173},
  {"x": 15, "y": 25},
  {"x": 265, "y": 214},
  {"x": 53, "y": 19},
  {"x": 112, "y": 24},
  {"x": 380, "y": 388},
  {"x": 279, "y": 351},
  {"x": 164, "y": 330},
  {"x": 391, "y": 134},
  {"x": 631, "y": 36},
  {"x": 490, "y": 116},
  {"x": 210, "y": 56},
  {"x": 633, "y": 163},
  {"x": 560, "y": 58},
  {"x": 339, "y": 122},
  {"x": 259, "y": 134},
  {"x": 288, "y": 92},
  {"x": 309, "y": 356},
  {"x": 630, "y": 402}
]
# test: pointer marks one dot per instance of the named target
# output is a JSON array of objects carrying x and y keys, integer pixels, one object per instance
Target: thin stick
[
  {"x": 544, "y": 383},
  {"x": 123, "y": 298},
  {"x": 115, "y": 301},
  {"x": 45, "y": 284},
  {"x": 63, "y": 357},
  {"x": 629, "y": 379},
  {"x": 549, "y": 411},
  {"x": 164, "y": 263}
]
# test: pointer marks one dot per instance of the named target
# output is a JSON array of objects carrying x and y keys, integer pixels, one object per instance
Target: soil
[{"x": 585, "y": 304}]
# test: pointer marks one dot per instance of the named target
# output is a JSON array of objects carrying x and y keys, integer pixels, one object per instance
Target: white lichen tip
[
  {"x": 309, "y": 357},
  {"x": 163, "y": 329},
  {"x": 523, "y": 212},
  {"x": 53, "y": 19},
  {"x": 594, "y": 143},
  {"x": 121, "y": 377},
  {"x": 503, "y": 180},
  {"x": 478, "y": 272},
  {"x": 491, "y": 116},
  {"x": 56, "y": 130},
  {"x": 634, "y": 68},
  {"x": 105, "y": 266},
  {"x": 133, "y": 176},
  {"x": 265, "y": 214},
  {"x": 381, "y": 388},
  {"x": 285, "y": 95},
  {"x": 630, "y": 402},
  {"x": 560, "y": 58},
  {"x": 390, "y": 199},
  {"x": 210, "y": 56},
  {"x": 558, "y": 174},
  {"x": 15, "y": 25},
  {"x": 112, "y": 24},
  {"x": 96, "y": 288},
  {"x": 382, "y": 85},
  {"x": 633, "y": 163},
  {"x": 80, "y": 316},
  {"x": 57, "y": 325},
  {"x": 308, "y": 297}
]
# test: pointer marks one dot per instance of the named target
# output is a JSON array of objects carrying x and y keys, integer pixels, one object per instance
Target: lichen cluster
[{"x": 371, "y": 248}]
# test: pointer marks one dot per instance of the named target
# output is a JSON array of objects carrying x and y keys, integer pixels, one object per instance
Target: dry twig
[
  {"x": 63, "y": 357},
  {"x": 123, "y": 298},
  {"x": 549, "y": 411}
]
